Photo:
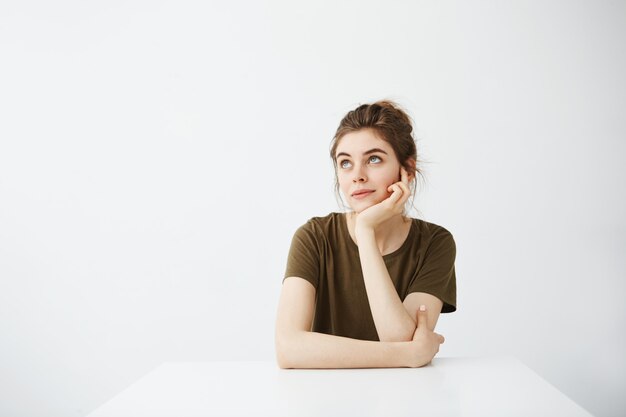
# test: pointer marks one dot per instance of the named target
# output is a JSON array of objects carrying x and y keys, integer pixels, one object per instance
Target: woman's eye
[
  {"x": 375, "y": 159},
  {"x": 344, "y": 164}
]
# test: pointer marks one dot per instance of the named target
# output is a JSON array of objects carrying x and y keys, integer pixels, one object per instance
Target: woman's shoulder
[
  {"x": 324, "y": 222},
  {"x": 324, "y": 225},
  {"x": 430, "y": 229}
]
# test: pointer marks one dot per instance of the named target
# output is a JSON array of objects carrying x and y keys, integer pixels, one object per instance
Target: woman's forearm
[
  {"x": 318, "y": 350},
  {"x": 392, "y": 321}
]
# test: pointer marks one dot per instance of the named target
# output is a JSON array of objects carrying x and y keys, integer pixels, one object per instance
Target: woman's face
[{"x": 366, "y": 166}]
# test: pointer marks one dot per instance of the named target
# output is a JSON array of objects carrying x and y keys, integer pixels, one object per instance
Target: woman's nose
[{"x": 359, "y": 175}]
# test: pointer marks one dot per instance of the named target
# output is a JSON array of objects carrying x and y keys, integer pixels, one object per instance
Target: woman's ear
[{"x": 410, "y": 168}]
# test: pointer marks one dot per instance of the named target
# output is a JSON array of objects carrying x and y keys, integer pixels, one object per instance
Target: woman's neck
[{"x": 389, "y": 235}]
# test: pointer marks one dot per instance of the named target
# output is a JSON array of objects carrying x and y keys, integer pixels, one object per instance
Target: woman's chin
[{"x": 361, "y": 206}]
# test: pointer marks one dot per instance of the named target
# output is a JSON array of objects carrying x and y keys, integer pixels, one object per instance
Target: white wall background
[{"x": 156, "y": 157}]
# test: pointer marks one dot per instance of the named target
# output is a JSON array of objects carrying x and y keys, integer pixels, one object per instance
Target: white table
[{"x": 487, "y": 386}]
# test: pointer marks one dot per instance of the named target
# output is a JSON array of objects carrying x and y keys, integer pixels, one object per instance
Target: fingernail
[{"x": 422, "y": 307}]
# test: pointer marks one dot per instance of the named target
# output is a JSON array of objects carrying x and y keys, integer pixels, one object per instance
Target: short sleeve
[
  {"x": 437, "y": 276},
  {"x": 304, "y": 255}
]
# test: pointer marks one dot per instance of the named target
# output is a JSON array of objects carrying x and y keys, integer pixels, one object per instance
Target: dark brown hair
[{"x": 391, "y": 124}]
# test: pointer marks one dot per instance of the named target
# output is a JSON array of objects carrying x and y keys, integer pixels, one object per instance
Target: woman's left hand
[{"x": 373, "y": 216}]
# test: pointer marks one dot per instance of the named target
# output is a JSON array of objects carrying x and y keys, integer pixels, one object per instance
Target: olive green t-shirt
[{"x": 323, "y": 253}]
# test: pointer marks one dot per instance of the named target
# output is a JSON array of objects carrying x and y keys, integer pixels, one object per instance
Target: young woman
[{"x": 364, "y": 289}]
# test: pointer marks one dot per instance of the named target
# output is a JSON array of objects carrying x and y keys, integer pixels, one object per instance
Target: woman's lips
[{"x": 362, "y": 194}]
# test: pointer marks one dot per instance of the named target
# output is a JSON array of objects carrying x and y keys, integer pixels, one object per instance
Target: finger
[
  {"x": 422, "y": 317},
  {"x": 409, "y": 177},
  {"x": 404, "y": 176},
  {"x": 403, "y": 195},
  {"x": 396, "y": 193},
  {"x": 404, "y": 186},
  {"x": 391, "y": 186},
  {"x": 406, "y": 192}
]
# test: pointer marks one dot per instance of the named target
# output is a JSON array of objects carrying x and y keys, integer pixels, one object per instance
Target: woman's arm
[
  {"x": 298, "y": 347},
  {"x": 392, "y": 320},
  {"x": 433, "y": 304}
]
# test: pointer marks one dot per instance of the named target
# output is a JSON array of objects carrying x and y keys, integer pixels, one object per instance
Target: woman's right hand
[{"x": 425, "y": 343}]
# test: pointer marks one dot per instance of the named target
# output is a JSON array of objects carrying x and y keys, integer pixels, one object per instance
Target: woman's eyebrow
[{"x": 373, "y": 150}]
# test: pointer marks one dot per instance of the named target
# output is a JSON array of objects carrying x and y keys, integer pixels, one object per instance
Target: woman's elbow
[
  {"x": 282, "y": 362},
  {"x": 284, "y": 351},
  {"x": 282, "y": 359}
]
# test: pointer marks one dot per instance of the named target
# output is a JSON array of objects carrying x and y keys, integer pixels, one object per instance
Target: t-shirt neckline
[{"x": 409, "y": 237}]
